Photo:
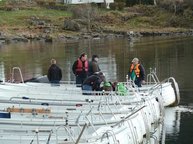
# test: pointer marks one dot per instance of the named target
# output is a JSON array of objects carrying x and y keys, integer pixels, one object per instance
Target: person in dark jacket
[
  {"x": 93, "y": 65},
  {"x": 92, "y": 83},
  {"x": 54, "y": 72},
  {"x": 80, "y": 69},
  {"x": 137, "y": 72}
]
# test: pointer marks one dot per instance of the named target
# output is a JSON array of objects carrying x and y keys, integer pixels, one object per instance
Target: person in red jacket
[
  {"x": 80, "y": 69},
  {"x": 137, "y": 72}
]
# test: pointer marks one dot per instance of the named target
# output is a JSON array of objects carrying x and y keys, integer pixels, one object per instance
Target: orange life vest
[
  {"x": 80, "y": 67},
  {"x": 136, "y": 69}
]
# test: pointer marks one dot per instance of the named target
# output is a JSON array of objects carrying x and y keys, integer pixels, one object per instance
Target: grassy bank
[
  {"x": 20, "y": 17},
  {"x": 34, "y": 18}
]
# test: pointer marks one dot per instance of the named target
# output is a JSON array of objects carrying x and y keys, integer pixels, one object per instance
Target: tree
[
  {"x": 173, "y": 5},
  {"x": 155, "y": 2},
  {"x": 188, "y": 3}
]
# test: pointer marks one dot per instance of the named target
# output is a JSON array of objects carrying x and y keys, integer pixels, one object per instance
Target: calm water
[{"x": 172, "y": 57}]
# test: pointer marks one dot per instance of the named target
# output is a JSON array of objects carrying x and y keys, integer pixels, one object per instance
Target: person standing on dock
[
  {"x": 80, "y": 69},
  {"x": 93, "y": 65},
  {"x": 54, "y": 72},
  {"x": 137, "y": 72}
]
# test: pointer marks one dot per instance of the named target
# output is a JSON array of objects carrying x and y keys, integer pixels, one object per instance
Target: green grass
[
  {"x": 2, "y": 2},
  {"x": 140, "y": 18},
  {"x": 20, "y": 17}
]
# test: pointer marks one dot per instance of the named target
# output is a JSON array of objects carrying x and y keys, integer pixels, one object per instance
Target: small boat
[
  {"x": 167, "y": 88},
  {"x": 32, "y": 112},
  {"x": 133, "y": 124}
]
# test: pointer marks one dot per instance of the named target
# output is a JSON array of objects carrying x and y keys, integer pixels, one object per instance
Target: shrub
[
  {"x": 84, "y": 11},
  {"x": 147, "y": 10},
  {"x": 137, "y": 2},
  {"x": 113, "y": 6},
  {"x": 120, "y": 5},
  {"x": 117, "y": 6},
  {"x": 177, "y": 21},
  {"x": 51, "y": 3},
  {"x": 188, "y": 13},
  {"x": 174, "y": 6},
  {"x": 40, "y": 2}
]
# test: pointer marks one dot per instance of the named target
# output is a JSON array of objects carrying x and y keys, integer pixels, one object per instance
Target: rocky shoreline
[
  {"x": 27, "y": 37},
  {"x": 69, "y": 23}
]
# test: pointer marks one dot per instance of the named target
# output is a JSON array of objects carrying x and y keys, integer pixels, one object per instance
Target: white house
[{"x": 88, "y": 1}]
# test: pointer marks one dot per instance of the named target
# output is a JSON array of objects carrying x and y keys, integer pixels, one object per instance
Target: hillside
[{"x": 22, "y": 21}]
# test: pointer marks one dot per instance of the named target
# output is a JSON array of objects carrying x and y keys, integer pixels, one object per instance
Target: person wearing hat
[
  {"x": 137, "y": 72},
  {"x": 80, "y": 69},
  {"x": 93, "y": 65},
  {"x": 54, "y": 72}
]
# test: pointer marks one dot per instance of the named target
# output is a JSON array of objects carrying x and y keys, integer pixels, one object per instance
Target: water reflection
[
  {"x": 2, "y": 74},
  {"x": 174, "y": 121},
  {"x": 171, "y": 56}
]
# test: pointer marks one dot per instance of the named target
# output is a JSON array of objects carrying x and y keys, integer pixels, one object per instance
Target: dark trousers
[
  {"x": 55, "y": 83},
  {"x": 79, "y": 80},
  {"x": 138, "y": 82}
]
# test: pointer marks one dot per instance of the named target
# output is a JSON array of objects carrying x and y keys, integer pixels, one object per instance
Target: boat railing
[
  {"x": 112, "y": 111},
  {"x": 100, "y": 112},
  {"x": 176, "y": 89},
  {"x": 67, "y": 129},
  {"x": 133, "y": 88},
  {"x": 105, "y": 101},
  {"x": 152, "y": 78},
  {"x": 109, "y": 133},
  {"x": 77, "y": 123},
  {"x": 15, "y": 69},
  {"x": 12, "y": 79},
  {"x": 131, "y": 84},
  {"x": 174, "y": 85},
  {"x": 44, "y": 102},
  {"x": 128, "y": 116},
  {"x": 37, "y": 135},
  {"x": 81, "y": 133},
  {"x": 93, "y": 126},
  {"x": 157, "y": 85},
  {"x": 91, "y": 120},
  {"x": 107, "y": 96},
  {"x": 103, "y": 105},
  {"x": 109, "y": 99},
  {"x": 49, "y": 137}
]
